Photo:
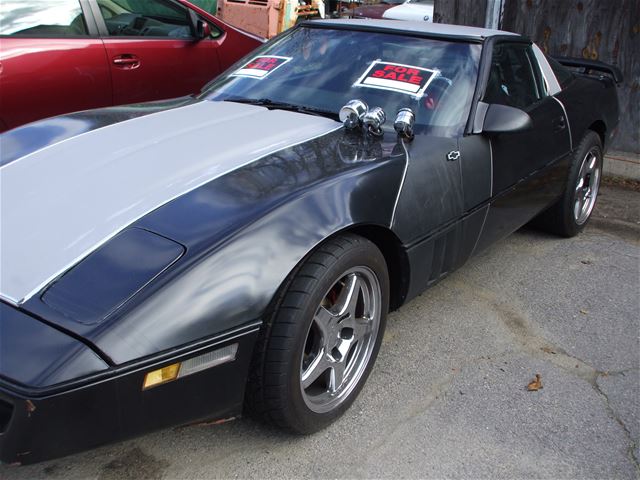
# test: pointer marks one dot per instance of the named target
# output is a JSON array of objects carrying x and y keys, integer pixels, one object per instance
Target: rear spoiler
[{"x": 588, "y": 66}]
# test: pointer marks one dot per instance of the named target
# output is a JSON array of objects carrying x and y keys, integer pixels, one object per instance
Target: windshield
[{"x": 321, "y": 69}]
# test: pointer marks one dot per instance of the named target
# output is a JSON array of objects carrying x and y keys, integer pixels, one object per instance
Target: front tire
[
  {"x": 570, "y": 214},
  {"x": 319, "y": 345}
]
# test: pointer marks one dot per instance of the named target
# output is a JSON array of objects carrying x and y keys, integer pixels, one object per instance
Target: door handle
[
  {"x": 559, "y": 124},
  {"x": 126, "y": 61}
]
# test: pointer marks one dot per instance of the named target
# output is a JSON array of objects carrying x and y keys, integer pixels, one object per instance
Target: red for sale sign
[
  {"x": 261, "y": 66},
  {"x": 397, "y": 77}
]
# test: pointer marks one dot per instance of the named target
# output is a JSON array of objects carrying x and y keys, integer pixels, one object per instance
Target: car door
[
  {"x": 51, "y": 61},
  {"x": 152, "y": 49},
  {"x": 528, "y": 167}
]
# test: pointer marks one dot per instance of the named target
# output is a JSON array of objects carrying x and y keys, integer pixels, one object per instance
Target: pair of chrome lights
[{"x": 356, "y": 113}]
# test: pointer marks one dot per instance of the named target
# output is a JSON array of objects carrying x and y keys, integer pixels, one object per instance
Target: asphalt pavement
[{"x": 448, "y": 396}]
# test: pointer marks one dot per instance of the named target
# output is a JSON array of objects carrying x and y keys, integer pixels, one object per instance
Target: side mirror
[
  {"x": 504, "y": 119},
  {"x": 203, "y": 30}
]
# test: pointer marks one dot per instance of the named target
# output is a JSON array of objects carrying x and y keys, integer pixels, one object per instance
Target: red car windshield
[{"x": 322, "y": 69}]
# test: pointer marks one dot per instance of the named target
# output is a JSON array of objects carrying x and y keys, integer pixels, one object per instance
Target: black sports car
[{"x": 172, "y": 261}]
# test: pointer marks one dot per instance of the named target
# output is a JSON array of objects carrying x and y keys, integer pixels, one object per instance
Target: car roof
[{"x": 427, "y": 28}]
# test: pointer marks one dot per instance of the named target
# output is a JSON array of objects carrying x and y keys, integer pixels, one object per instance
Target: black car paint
[
  {"x": 84, "y": 297},
  {"x": 295, "y": 197},
  {"x": 243, "y": 235},
  {"x": 34, "y": 354},
  {"x": 38, "y": 424},
  {"x": 36, "y": 135}
]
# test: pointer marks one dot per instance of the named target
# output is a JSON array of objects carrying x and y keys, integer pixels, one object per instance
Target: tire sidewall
[
  {"x": 364, "y": 253},
  {"x": 590, "y": 141}
]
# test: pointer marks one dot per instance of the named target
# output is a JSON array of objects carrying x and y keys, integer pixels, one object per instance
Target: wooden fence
[{"x": 606, "y": 30}]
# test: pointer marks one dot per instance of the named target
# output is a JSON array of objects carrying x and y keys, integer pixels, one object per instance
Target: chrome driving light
[
  {"x": 404, "y": 122},
  {"x": 352, "y": 113},
  {"x": 373, "y": 121}
]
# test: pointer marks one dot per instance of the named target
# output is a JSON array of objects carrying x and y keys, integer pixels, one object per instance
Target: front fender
[
  {"x": 234, "y": 285},
  {"x": 244, "y": 233}
]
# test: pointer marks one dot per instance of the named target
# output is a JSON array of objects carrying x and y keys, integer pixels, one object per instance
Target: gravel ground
[{"x": 448, "y": 395}]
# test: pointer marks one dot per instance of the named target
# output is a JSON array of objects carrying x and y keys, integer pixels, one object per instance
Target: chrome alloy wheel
[
  {"x": 586, "y": 190},
  {"x": 340, "y": 339}
]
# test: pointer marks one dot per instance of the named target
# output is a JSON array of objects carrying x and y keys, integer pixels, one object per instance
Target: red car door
[
  {"x": 51, "y": 61},
  {"x": 152, "y": 49}
]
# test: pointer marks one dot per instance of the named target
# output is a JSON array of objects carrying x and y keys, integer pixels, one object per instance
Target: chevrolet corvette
[{"x": 239, "y": 250}]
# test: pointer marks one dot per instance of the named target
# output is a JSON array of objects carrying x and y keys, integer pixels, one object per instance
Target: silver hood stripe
[{"x": 60, "y": 203}]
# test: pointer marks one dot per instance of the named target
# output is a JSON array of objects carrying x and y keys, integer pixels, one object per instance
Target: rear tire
[
  {"x": 318, "y": 346},
  {"x": 570, "y": 214}
]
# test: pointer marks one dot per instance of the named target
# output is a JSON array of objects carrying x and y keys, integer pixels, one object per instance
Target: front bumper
[{"x": 44, "y": 424}]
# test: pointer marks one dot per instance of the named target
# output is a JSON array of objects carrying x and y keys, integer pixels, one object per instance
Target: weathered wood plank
[
  {"x": 600, "y": 30},
  {"x": 460, "y": 12}
]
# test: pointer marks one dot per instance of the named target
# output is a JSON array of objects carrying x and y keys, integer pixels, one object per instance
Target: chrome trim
[
  {"x": 481, "y": 113},
  {"x": 486, "y": 213},
  {"x": 340, "y": 340},
  {"x": 553, "y": 86},
  {"x": 352, "y": 113},
  {"x": 588, "y": 184},
  {"x": 568, "y": 123},
  {"x": 491, "y": 170},
  {"x": 484, "y": 220},
  {"x": 8, "y": 300},
  {"x": 403, "y": 124},
  {"x": 373, "y": 121},
  {"x": 404, "y": 175}
]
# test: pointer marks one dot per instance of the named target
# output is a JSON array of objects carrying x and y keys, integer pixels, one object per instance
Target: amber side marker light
[
  {"x": 160, "y": 376},
  {"x": 190, "y": 366}
]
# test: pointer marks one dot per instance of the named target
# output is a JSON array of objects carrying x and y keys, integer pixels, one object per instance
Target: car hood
[{"x": 63, "y": 200}]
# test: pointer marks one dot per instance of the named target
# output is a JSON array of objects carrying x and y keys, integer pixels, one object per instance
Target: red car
[{"x": 58, "y": 56}]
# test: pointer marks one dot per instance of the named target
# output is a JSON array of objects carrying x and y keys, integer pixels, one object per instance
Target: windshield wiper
[{"x": 265, "y": 102}]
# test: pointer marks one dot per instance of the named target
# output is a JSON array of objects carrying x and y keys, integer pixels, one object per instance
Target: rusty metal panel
[
  {"x": 259, "y": 18},
  {"x": 606, "y": 30},
  {"x": 460, "y": 12}
]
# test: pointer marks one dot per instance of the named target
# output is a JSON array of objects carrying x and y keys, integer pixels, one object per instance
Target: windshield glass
[{"x": 322, "y": 69}]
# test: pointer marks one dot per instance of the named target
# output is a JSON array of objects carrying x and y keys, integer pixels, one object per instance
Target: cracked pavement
[{"x": 448, "y": 395}]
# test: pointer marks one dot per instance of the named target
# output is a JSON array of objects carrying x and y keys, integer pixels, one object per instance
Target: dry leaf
[
  {"x": 584, "y": 312},
  {"x": 535, "y": 385}
]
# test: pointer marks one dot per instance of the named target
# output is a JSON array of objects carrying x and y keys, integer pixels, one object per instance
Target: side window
[
  {"x": 514, "y": 78},
  {"x": 42, "y": 18},
  {"x": 146, "y": 18}
]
